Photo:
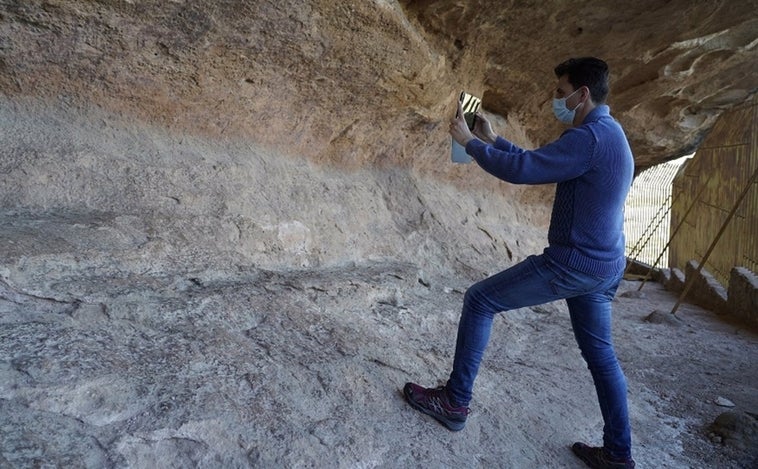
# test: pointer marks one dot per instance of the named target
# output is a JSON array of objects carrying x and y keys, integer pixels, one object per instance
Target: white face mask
[{"x": 563, "y": 113}]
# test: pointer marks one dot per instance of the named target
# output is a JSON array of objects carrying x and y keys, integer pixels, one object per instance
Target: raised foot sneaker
[
  {"x": 598, "y": 458},
  {"x": 435, "y": 402}
]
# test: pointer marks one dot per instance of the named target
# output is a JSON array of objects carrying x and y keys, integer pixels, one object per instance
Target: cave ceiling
[{"x": 373, "y": 82}]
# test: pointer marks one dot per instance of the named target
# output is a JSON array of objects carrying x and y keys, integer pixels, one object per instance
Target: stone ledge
[
  {"x": 706, "y": 290},
  {"x": 673, "y": 279},
  {"x": 639, "y": 270},
  {"x": 742, "y": 298}
]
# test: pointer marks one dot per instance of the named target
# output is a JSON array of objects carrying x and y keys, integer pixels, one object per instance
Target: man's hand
[
  {"x": 483, "y": 129},
  {"x": 459, "y": 129}
]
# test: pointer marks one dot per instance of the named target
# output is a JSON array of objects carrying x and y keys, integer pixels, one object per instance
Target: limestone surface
[
  {"x": 355, "y": 83},
  {"x": 230, "y": 231}
]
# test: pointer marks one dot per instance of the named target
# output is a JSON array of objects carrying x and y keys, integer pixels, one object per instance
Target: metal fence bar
[
  {"x": 676, "y": 230},
  {"x": 660, "y": 219},
  {"x": 649, "y": 204},
  {"x": 636, "y": 249}
]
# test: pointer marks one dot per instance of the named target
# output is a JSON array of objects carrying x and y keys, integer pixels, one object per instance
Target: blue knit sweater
[{"x": 593, "y": 167}]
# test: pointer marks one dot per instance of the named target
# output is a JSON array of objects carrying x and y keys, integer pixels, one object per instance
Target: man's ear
[{"x": 586, "y": 93}]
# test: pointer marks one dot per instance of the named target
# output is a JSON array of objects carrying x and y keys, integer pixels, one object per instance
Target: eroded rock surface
[
  {"x": 374, "y": 82},
  {"x": 247, "y": 367},
  {"x": 229, "y": 231}
]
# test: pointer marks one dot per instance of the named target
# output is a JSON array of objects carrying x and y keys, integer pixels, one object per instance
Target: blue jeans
[{"x": 538, "y": 280}]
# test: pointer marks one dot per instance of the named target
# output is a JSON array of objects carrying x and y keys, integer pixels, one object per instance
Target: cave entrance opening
[{"x": 647, "y": 214}]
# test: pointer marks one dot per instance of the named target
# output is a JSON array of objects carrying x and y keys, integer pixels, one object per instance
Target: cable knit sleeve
[
  {"x": 504, "y": 145},
  {"x": 567, "y": 158}
]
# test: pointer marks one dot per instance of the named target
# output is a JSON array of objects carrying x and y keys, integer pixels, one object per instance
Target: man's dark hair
[{"x": 586, "y": 71}]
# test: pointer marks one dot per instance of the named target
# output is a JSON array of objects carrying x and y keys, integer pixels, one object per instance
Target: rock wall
[
  {"x": 292, "y": 133},
  {"x": 128, "y": 198},
  {"x": 374, "y": 82}
]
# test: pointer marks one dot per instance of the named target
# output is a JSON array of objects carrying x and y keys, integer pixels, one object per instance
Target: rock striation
[{"x": 355, "y": 83}]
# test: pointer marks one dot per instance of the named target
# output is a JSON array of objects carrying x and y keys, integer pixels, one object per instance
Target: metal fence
[{"x": 647, "y": 215}]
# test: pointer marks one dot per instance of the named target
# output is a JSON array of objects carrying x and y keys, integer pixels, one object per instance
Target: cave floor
[{"x": 106, "y": 365}]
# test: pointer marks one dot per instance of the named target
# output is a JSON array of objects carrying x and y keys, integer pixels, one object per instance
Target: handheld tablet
[{"x": 470, "y": 105}]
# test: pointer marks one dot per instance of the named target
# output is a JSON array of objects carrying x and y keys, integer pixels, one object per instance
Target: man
[{"x": 592, "y": 165}]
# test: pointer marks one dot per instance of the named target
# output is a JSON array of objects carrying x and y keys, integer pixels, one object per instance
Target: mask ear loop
[{"x": 580, "y": 97}]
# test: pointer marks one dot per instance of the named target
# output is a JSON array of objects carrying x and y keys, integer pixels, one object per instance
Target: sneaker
[
  {"x": 435, "y": 402},
  {"x": 598, "y": 458}
]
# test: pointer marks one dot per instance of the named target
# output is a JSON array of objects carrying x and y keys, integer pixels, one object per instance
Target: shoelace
[{"x": 438, "y": 401}]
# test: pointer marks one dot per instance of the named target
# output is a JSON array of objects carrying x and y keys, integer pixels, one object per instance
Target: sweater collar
[{"x": 601, "y": 110}]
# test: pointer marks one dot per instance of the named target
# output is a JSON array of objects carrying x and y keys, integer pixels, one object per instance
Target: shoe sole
[
  {"x": 580, "y": 451},
  {"x": 586, "y": 460},
  {"x": 452, "y": 425}
]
